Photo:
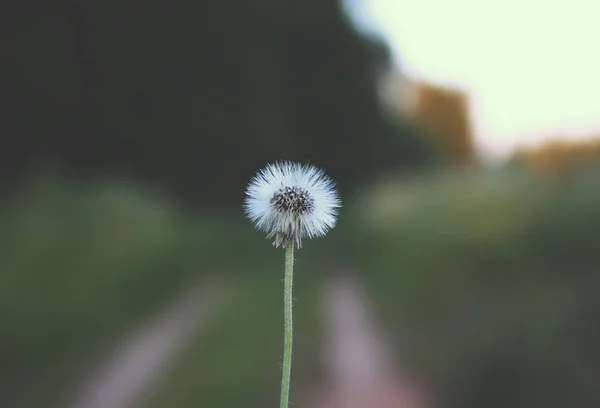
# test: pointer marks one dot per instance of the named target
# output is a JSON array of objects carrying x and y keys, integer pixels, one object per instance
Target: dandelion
[{"x": 290, "y": 201}]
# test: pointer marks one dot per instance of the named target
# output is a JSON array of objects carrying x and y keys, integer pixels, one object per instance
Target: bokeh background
[{"x": 465, "y": 140}]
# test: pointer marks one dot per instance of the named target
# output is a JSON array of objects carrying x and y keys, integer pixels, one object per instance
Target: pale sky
[{"x": 531, "y": 68}]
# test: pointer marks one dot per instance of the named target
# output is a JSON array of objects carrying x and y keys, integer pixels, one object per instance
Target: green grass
[
  {"x": 484, "y": 280},
  {"x": 79, "y": 264},
  {"x": 490, "y": 283},
  {"x": 237, "y": 363}
]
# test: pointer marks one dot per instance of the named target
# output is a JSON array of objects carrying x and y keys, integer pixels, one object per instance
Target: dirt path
[
  {"x": 139, "y": 363},
  {"x": 358, "y": 360}
]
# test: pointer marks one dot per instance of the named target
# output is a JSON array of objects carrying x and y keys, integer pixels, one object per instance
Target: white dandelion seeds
[{"x": 290, "y": 201}]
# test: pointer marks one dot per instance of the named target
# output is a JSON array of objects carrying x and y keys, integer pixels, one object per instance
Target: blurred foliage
[
  {"x": 70, "y": 258},
  {"x": 489, "y": 282},
  {"x": 486, "y": 282},
  {"x": 443, "y": 115},
  {"x": 559, "y": 157},
  {"x": 194, "y": 96},
  {"x": 82, "y": 262}
]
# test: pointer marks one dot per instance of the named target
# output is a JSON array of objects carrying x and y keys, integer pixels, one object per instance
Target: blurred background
[{"x": 465, "y": 140}]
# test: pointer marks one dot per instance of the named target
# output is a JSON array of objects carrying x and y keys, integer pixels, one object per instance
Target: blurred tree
[
  {"x": 558, "y": 157},
  {"x": 195, "y": 95},
  {"x": 443, "y": 114}
]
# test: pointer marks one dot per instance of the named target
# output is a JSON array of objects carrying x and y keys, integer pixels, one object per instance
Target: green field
[{"x": 488, "y": 281}]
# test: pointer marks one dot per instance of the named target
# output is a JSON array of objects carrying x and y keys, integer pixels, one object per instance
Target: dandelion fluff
[{"x": 291, "y": 201}]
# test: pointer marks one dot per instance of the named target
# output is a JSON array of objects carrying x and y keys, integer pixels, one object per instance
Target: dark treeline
[{"x": 194, "y": 95}]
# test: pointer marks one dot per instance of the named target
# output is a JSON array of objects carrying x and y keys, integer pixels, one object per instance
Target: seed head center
[{"x": 294, "y": 200}]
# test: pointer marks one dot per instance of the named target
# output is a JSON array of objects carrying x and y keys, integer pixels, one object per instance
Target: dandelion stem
[{"x": 287, "y": 304}]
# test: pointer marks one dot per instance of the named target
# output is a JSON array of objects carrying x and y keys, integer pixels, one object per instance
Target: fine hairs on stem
[
  {"x": 290, "y": 201},
  {"x": 288, "y": 325}
]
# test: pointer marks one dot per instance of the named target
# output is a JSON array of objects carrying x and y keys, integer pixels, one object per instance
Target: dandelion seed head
[{"x": 291, "y": 201}]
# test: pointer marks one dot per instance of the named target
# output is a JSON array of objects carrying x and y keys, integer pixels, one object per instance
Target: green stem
[{"x": 287, "y": 304}]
